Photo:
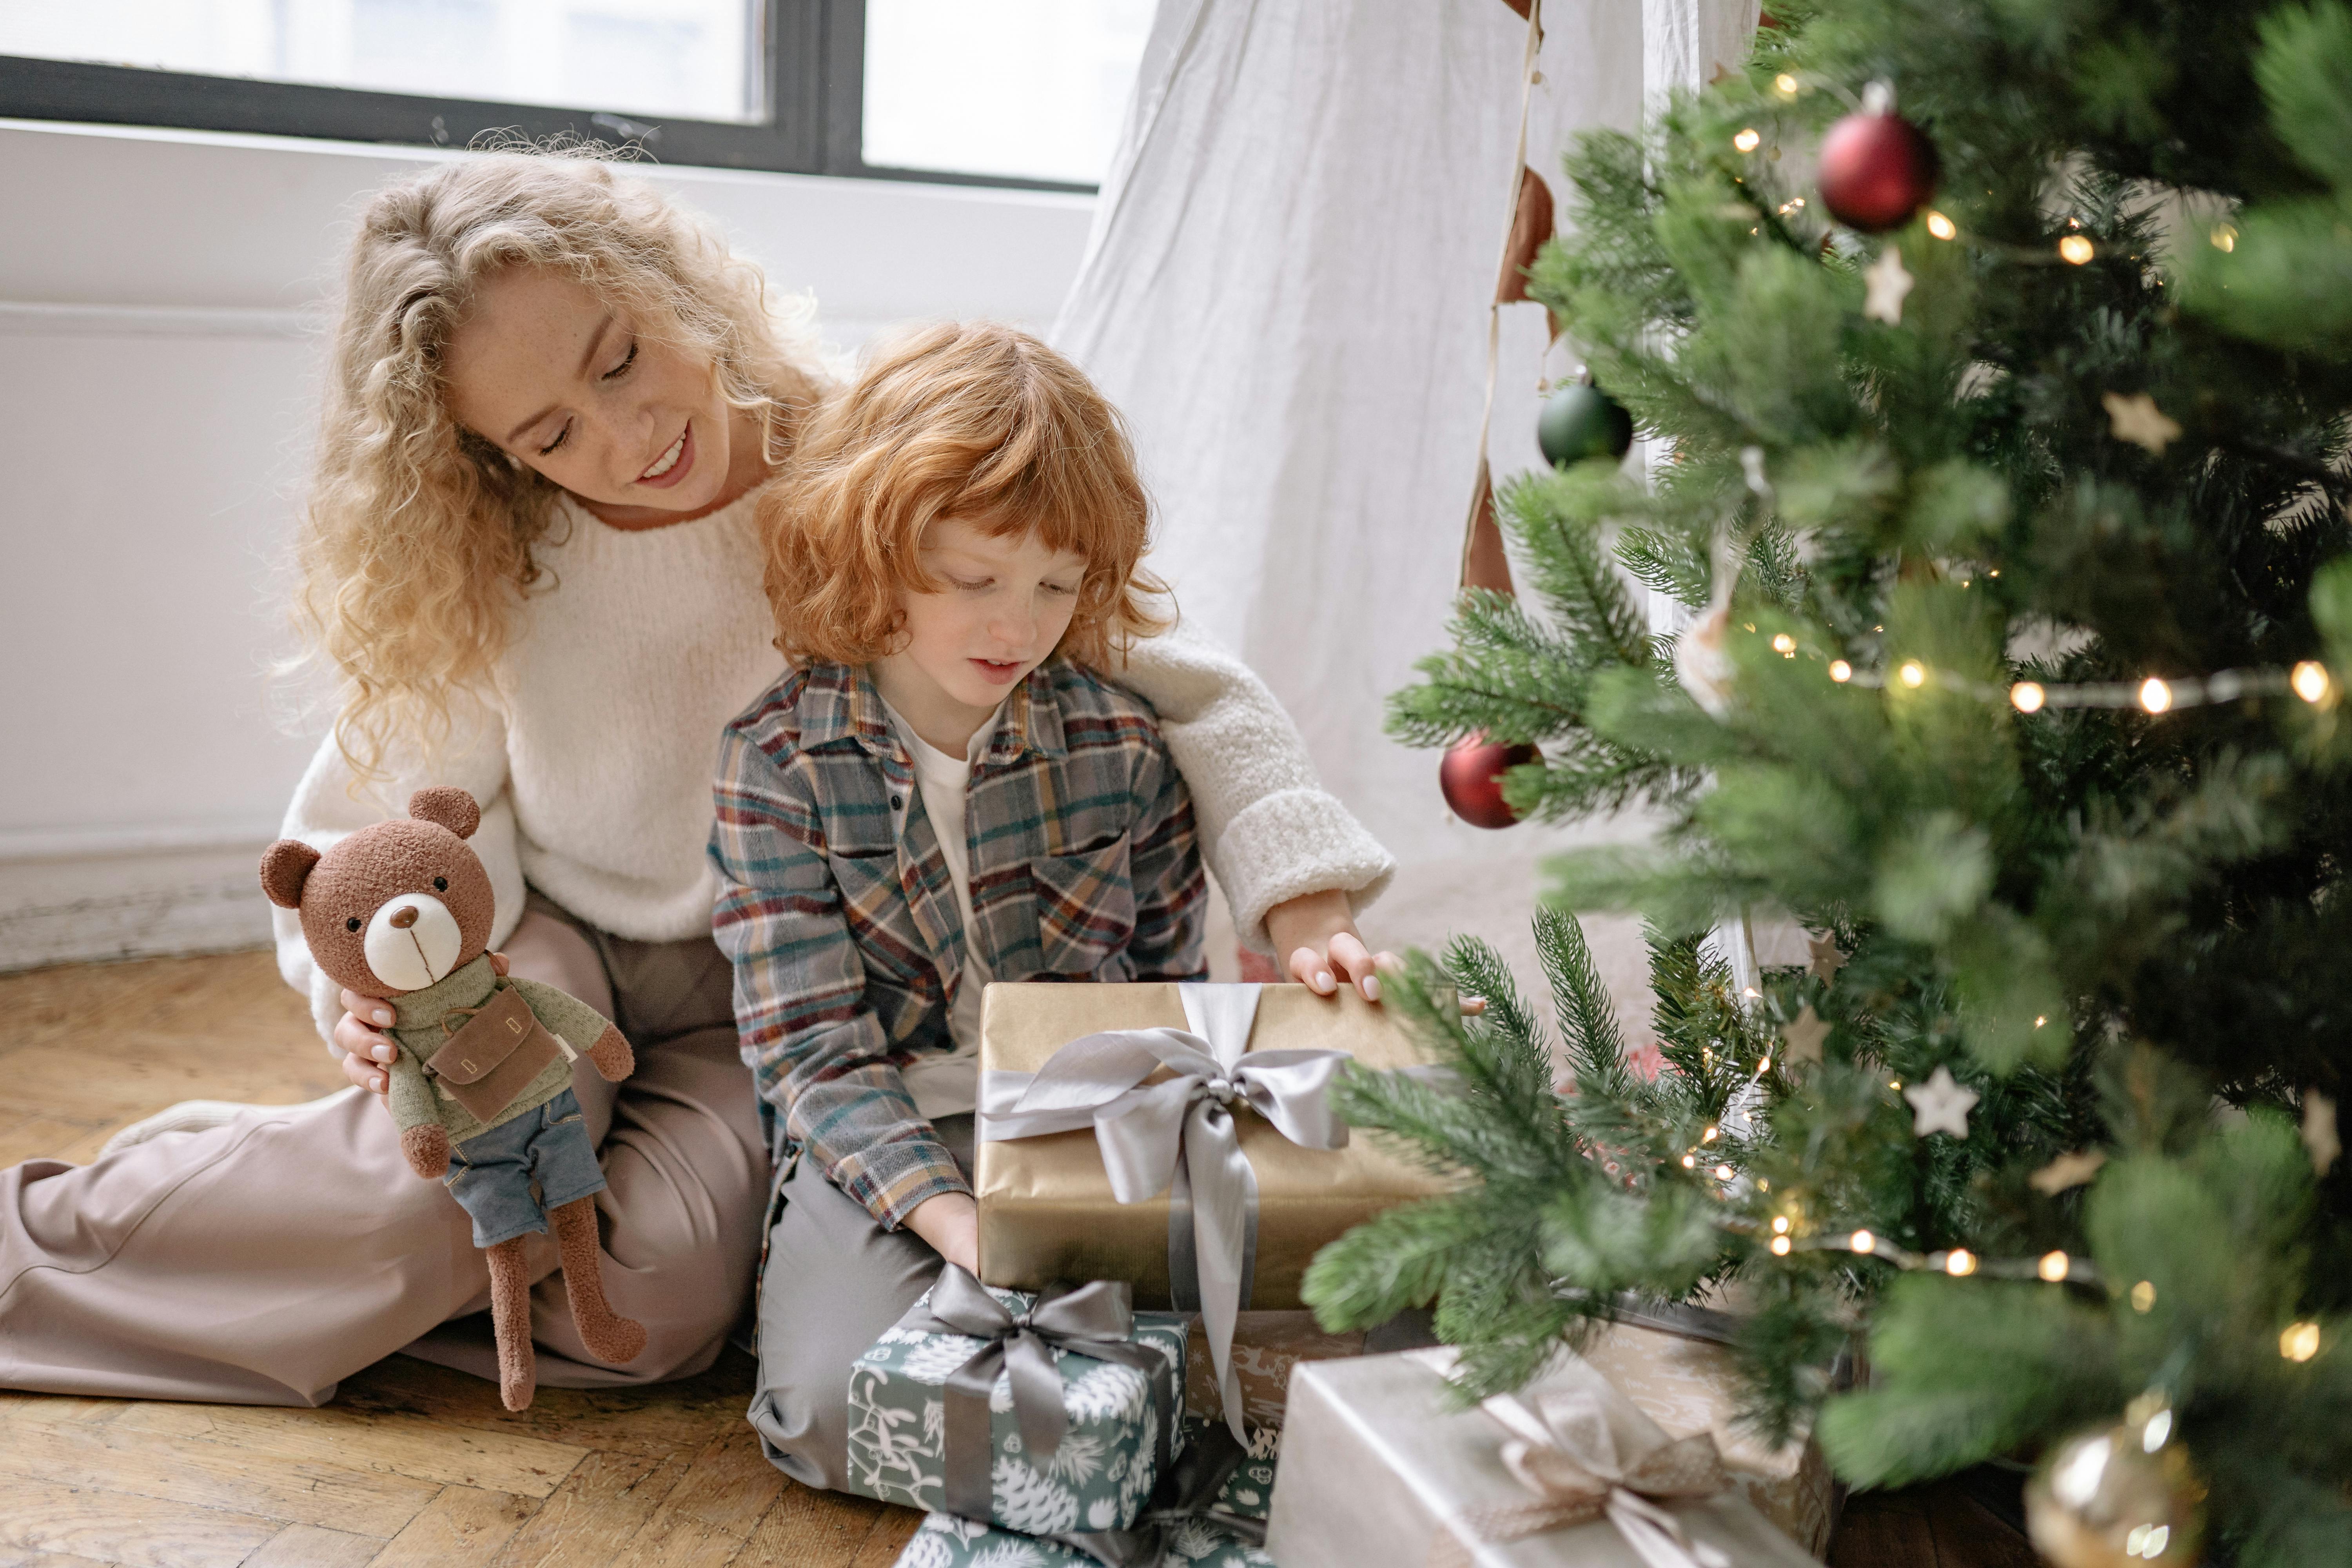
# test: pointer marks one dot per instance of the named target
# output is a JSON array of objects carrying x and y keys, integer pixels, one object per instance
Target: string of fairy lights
[{"x": 2309, "y": 679}]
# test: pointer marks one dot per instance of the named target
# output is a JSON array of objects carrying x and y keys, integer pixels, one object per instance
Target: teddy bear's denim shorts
[{"x": 509, "y": 1177}]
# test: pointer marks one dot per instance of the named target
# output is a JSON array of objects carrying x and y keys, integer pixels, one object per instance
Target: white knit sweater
[{"x": 592, "y": 752}]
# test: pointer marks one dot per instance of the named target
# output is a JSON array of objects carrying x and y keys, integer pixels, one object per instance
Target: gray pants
[{"x": 833, "y": 1282}]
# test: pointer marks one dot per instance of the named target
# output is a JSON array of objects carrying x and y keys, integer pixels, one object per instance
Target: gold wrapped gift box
[{"x": 1046, "y": 1212}]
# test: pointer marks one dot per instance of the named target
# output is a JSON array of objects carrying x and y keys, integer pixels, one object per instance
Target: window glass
[
  {"x": 1024, "y": 88},
  {"x": 693, "y": 58}
]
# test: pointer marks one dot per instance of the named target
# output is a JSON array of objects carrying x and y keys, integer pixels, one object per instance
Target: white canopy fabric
[{"x": 1286, "y": 289}]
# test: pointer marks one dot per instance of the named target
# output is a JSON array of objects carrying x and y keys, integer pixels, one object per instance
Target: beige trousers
[{"x": 263, "y": 1261}]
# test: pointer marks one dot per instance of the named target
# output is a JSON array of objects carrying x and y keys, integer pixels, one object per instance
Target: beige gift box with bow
[
  {"x": 1380, "y": 1468},
  {"x": 1046, "y": 1212}
]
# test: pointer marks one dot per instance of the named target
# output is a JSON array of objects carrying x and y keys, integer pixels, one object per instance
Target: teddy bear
[{"x": 482, "y": 1089}]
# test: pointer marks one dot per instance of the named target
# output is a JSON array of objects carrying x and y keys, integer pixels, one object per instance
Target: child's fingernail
[
  {"x": 1371, "y": 987},
  {"x": 383, "y": 1053},
  {"x": 1323, "y": 981},
  {"x": 376, "y": 1084},
  {"x": 383, "y": 1015}
]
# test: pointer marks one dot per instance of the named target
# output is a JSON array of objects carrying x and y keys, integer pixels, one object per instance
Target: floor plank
[
  {"x": 589, "y": 1520},
  {"x": 462, "y": 1528},
  {"x": 809, "y": 1527},
  {"x": 395, "y": 1442},
  {"x": 308, "y": 1546},
  {"x": 117, "y": 1460},
  {"x": 124, "y": 1529}
]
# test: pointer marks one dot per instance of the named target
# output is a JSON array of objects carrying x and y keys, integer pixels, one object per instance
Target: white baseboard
[{"x": 70, "y": 899}]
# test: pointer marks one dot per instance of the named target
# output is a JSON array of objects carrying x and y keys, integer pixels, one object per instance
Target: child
[{"x": 945, "y": 790}]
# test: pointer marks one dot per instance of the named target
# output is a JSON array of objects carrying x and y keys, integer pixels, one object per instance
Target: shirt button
[{"x": 897, "y": 803}]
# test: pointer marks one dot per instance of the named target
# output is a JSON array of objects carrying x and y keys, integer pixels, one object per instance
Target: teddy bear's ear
[
  {"x": 451, "y": 808},
  {"x": 284, "y": 867}
]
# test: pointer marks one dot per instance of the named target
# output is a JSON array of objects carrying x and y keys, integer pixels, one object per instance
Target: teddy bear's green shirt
[{"x": 417, "y": 1099}]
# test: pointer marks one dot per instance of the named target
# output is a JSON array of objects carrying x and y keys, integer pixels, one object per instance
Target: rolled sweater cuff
[{"x": 1291, "y": 843}]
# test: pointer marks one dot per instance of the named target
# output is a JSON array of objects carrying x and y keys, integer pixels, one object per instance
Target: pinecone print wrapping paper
[
  {"x": 1097, "y": 1480},
  {"x": 947, "y": 1542}
]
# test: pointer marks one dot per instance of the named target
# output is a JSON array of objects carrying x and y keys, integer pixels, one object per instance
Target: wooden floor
[
  {"x": 412, "y": 1465},
  {"x": 417, "y": 1465}
]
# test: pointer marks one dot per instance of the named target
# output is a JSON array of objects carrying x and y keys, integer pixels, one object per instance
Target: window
[{"x": 998, "y": 92}]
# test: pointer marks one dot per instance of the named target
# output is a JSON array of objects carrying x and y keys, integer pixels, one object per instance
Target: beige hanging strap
[{"x": 1484, "y": 565}]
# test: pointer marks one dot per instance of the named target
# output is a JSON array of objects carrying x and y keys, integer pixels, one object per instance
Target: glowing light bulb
[
  {"x": 2027, "y": 697},
  {"x": 2040, "y": 1019},
  {"x": 1784, "y": 644},
  {"x": 1690, "y": 1161},
  {"x": 1723, "y": 1172},
  {"x": 2225, "y": 236},
  {"x": 2143, "y": 1296},
  {"x": 1748, "y": 140},
  {"x": 2157, "y": 1432},
  {"x": 2299, "y": 1341},
  {"x": 1709, "y": 1136},
  {"x": 1941, "y": 227},
  {"x": 1785, "y": 85},
  {"x": 1781, "y": 1228},
  {"x": 2310, "y": 681},
  {"x": 2052, "y": 1266},
  {"x": 1862, "y": 1241},
  {"x": 1959, "y": 1263},
  {"x": 2155, "y": 695},
  {"x": 1914, "y": 673},
  {"x": 1779, "y": 1246},
  {"x": 2075, "y": 248},
  {"x": 1841, "y": 671}
]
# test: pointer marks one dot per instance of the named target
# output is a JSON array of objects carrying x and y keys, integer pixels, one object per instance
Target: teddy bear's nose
[{"x": 404, "y": 917}]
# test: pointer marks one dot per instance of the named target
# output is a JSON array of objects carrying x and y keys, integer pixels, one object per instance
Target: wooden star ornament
[
  {"x": 1940, "y": 1105},
  {"x": 1888, "y": 284},
  {"x": 1804, "y": 1035},
  {"x": 2067, "y": 1171},
  {"x": 2139, "y": 420},
  {"x": 1827, "y": 959}
]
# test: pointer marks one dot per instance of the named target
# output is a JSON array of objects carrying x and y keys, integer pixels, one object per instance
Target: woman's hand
[
  {"x": 951, "y": 1222},
  {"x": 1315, "y": 939},
  {"x": 368, "y": 1051}
]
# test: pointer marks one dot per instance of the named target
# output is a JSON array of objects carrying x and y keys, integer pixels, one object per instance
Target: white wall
[{"x": 162, "y": 295}]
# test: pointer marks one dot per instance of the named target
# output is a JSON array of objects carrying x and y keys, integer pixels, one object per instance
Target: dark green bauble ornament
[{"x": 1581, "y": 421}]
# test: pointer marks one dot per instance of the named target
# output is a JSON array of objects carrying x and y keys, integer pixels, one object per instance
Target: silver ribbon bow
[
  {"x": 1583, "y": 1453},
  {"x": 1179, "y": 1136},
  {"x": 1095, "y": 1321}
]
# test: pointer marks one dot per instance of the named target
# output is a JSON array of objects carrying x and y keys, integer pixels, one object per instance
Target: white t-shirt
[{"x": 948, "y": 1083}]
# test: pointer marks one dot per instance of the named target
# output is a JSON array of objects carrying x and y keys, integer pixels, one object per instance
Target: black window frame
[{"x": 812, "y": 53}]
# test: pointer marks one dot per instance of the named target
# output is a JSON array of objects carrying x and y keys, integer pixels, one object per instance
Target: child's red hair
[{"x": 976, "y": 421}]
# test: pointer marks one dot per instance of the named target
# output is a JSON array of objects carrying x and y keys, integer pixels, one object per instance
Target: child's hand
[
  {"x": 951, "y": 1222},
  {"x": 368, "y": 1053},
  {"x": 1315, "y": 938}
]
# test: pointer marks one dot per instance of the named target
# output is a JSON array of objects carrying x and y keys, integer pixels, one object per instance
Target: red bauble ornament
[
  {"x": 1471, "y": 776},
  {"x": 1877, "y": 169}
]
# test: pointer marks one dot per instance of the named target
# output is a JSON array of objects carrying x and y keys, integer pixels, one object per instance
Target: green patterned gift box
[
  {"x": 1223, "y": 1536},
  {"x": 1075, "y": 1377}
]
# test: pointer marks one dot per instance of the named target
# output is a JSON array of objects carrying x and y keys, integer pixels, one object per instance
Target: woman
[{"x": 529, "y": 555}]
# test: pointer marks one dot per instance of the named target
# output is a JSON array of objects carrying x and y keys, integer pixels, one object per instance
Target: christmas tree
[{"x": 2003, "y": 478}]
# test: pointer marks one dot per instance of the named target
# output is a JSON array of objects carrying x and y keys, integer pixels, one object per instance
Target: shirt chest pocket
[
  {"x": 873, "y": 904},
  {"x": 1085, "y": 912}
]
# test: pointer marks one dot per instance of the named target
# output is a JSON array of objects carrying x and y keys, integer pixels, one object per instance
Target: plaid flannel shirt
[{"x": 838, "y": 913}]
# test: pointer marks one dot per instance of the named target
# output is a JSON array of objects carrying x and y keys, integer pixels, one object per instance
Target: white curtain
[{"x": 1287, "y": 291}]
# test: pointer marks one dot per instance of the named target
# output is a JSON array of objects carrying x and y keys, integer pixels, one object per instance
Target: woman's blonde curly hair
[
  {"x": 966, "y": 420},
  {"x": 415, "y": 550}
]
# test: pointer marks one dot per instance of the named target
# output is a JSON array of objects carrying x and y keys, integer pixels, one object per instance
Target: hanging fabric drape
[{"x": 1286, "y": 292}]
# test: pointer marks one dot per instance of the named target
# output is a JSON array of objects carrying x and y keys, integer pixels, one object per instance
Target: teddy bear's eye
[
  {"x": 354, "y": 922},
  {"x": 440, "y": 884}
]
